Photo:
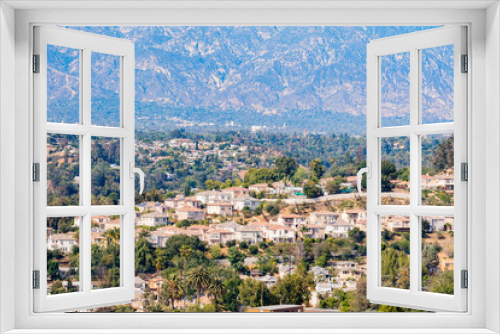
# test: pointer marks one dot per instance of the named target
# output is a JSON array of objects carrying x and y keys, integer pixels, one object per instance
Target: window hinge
[
  {"x": 465, "y": 64},
  {"x": 36, "y": 63},
  {"x": 36, "y": 279},
  {"x": 464, "y": 173},
  {"x": 465, "y": 279},
  {"x": 36, "y": 172}
]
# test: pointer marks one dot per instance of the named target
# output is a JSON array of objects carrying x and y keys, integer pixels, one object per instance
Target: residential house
[
  {"x": 61, "y": 241},
  {"x": 198, "y": 227},
  {"x": 279, "y": 234},
  {"x": 140, "y": 285},
  {"x": 345, "y": 269},
  {"x": 237, "y": 192},
  {"x": 322, "y": 217},
  {"x": 97, "y": 238},
  {"x": 339, "y": 229},
  {"x": 259, "y": 187},
  {"x": 240, "y": 202},
  {"x": 397, "y": 223},
  {"x": 313, "y": 231},
  {"x": 320, "y": 274},
  {"x": 159, "y": 238},
  {"x": 192, "y": 202},
  {"x": 361, "y": 224},
  {"x": 174, "y": 202},
  {"x": 268, "y": 280},
  {"x": 190, "y": 213},
  {"x": 251, "y": 234},
  {"x": 147, "y": 206},
  {"x": 353, "y": 215},
  {"x": 154, "y": 219},
  {"x": 350, "y": 285},
  {"x": 110, "y": 224},
  {"x": 220, "y": 208},
  {"x": 439, "y": 223},
  {"x": 213, "y": 236},
  {"x": 212, "y": 196},
  {"x": 228, "y": 226},
  {"x": 291, "y": 220},
  {"x": 286, "y": 269}
]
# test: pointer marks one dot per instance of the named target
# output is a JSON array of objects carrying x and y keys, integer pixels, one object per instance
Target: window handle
[
  {"x": 135, "y": 170},
  {"x": 366, "y": 170}
]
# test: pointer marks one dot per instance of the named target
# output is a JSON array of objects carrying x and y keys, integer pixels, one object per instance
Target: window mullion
[
  {"x": 86, "y": 165},
  {"x": 414, "y": 168}
]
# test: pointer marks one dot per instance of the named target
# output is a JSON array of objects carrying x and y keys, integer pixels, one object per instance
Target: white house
[
  {"x": 154, "y": 219},
  {"x": 291, "y": 220},
  {"x": 213, "y": 196},
  {"x": 353, "y": 215},
  {"x": 237, "y": 192},
  {"x": 190, "y": 213},
  {"x": 228, "y": 226},
  {"x": 159, "y": 238},
  {"x": 139, "y": 284},
  {"x": 397, "y": 223},
  {"x": 279, "y": 233},
  {"x": 214, "y": 236},
  {"x": 240, "y": 202},
  {"x": 323, "y": 217},
  {"x": 61, "y": 241},
  {"x": 220, "y": 208},
  {"x": 339, "y": 229},
  {"x": 250, "y": 234}
]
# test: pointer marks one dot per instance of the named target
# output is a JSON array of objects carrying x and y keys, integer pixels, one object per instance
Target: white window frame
[
  {"x": 483, "y": 100},
  {"x": 86, "y": 44},
  {"x": 413, "y": 44}
]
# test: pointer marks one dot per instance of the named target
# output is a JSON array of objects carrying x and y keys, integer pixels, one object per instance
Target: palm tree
[
  {"x": 199, "y": 278},
  {"x": 172, "y": 289},
  {"x": 217, "y": 290},
  {"x": 113, "y": 234},
  {"x": 185, "y": 252}
]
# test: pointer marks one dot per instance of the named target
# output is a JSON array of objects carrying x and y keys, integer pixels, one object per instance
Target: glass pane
[
  {"x": 105, "y": 89},
  {"x": 395, "y": 169},
  {"x": 63, "y": 85},
  {"x": 437, "y": 84},
  {"x": 395, "y": 241},
  {"x": 63, "y": 170},
  {"x": 63, "y": 255},
  {"x": 105, "y": 171},
  {"x": 395, "y": 89},
  {"x": 438, "y": 170},
  {"x": 437, "y": 254},
  {"x": 105, "y": 238}
]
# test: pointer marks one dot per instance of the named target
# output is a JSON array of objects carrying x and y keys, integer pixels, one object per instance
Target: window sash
[
  {"x": 413, "y": 43},
  {"x": 86, "y": 43}
]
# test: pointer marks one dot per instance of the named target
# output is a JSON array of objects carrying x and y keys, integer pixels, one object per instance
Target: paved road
[{"x": 338, "y": 197}]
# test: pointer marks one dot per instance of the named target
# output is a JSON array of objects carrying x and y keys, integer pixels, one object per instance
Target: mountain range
[{"x": 294, "y": 78}]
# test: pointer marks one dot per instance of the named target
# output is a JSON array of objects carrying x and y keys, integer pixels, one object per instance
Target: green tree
[
  {"x": 199, "y": 278},
  {"x": 255, "y": 293},
  {"x": 236, "y": 258},
  {"x": 293, "y": 289},
  {"x": 317, "y": 168},
  {"x": 144, "y": 258},
  {"x": 215, "y": 252},
  {"x": 285, "y": 167},
  {"x": 333, "y": 187},
  {"x": 311, "y": 190},
  {"x": 53, "y": 269}
]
